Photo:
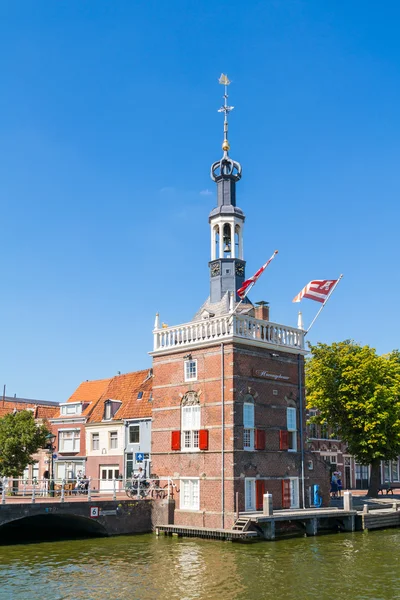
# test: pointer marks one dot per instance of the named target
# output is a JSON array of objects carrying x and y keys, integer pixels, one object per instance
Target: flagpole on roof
[{"x": 325, "y": 301}]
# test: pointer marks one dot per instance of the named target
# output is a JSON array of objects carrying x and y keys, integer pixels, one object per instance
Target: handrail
[
  {"x": 62, "y": 490},
  {"x": 225, "y": 327}
]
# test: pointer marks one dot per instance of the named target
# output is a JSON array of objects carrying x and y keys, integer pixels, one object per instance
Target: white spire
[
  {"x": 231, "y": 303},
  {"x": 300, "y": 321}
]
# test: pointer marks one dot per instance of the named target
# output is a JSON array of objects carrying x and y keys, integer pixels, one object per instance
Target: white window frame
[
  {"x": 250, "y": 500},
  {"x": 294, "y": 492},
  {"x": 75, "y": 438},
  {"x": 95, "y": 439},
  {"x": 107, "y": 411},
  {"x": 113, "y": 439},
  {"x": 291, "y": 424},
  {"x": 71, "y": 408},
  {"x": 189, "y": 372},
  {"x": 248, "y": 426},
  {"x": 189, "y": 495},
  {"x": 131, "y": 426},
  {"x": 190, "y": 427}
]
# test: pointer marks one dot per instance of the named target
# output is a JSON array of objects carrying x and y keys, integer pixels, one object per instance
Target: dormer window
[
  {"x": 71, "y": 408},
  {"x": 110, "y": 409},
  {"x": 140, "y": 395}
]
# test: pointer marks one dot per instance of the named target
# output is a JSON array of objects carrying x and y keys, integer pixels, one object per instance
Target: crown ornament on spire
[{"x": 226, "y": 166}]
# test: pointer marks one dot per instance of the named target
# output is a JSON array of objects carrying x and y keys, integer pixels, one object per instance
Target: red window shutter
[
  {"x": 175, "y": 440},
  {"x": 203, "y": 439},
  {"x": 259, "y": 493},
  {"x": 260, "y": 439},
  {"x": 286, "y": 493},
  {"x": 283, "y": 439}
]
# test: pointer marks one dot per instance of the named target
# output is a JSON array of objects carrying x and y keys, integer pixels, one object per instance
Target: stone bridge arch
[{"x": 43, "y": 526}]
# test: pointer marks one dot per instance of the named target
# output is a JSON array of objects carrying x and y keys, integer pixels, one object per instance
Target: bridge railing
[{"x": 61, "y": 490}]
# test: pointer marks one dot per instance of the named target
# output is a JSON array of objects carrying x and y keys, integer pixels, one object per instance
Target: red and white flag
[
  {"x": 318, "y": 290},
  {"x": 244, "y": 290}
]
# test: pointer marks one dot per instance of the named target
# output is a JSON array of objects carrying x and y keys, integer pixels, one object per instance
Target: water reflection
[{"x": 360, "y": 566}]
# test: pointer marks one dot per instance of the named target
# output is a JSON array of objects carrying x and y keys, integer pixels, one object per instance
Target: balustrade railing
[
  {"x": 228, "y": 326},
  {"x": 62, "y": 490}
]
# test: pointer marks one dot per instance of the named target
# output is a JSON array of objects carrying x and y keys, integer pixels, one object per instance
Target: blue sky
[{"x": 109, "y": 125}]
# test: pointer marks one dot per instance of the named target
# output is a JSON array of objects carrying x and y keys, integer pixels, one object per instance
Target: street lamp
[{"x": 50, "y": 439}]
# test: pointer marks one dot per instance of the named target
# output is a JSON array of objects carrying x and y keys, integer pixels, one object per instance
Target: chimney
[{"x": 261, "y": 311}]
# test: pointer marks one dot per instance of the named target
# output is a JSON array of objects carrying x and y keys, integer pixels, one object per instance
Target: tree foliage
[
  {"x": 20, "y": 437},
  {"x": 357, "y": 392}
]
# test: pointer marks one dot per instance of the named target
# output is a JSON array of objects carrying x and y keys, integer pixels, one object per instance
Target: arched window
[
  {"x": 237, "y": 247},
  {"x": 248, "y": 423},
  {"x": 190, "y": 421},
  {"x": 216, "y": 242},
  {"x": 227, "y": 241}
]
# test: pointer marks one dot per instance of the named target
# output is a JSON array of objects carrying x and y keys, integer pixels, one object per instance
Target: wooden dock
[
  {"x": 203, "y": 532},
  {"x": 253, "y": 526},
  {"x": 380, "y": 519},
  {"x": 310, "y": 522}
]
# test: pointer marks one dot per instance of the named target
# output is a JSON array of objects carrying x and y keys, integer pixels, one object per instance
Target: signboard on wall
[
  {"x": 94, "y": 512},
  {"x": 267, "y": 375}
]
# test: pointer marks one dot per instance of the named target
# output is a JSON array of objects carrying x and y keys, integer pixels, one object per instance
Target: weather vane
[{"x": 223, "y": 80}]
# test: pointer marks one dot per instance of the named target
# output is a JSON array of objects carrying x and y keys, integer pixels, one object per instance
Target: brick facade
[{"x": 258, "y": 375}]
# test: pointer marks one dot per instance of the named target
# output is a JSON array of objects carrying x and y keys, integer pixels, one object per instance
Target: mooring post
[
  {"x": 347, "y": 501},
  {"x": 395, "y": 505},
  {"x": 3, "y": 491},
  {"x": 365, "y": 508},
  {"x": 114, "y": 489},
  {"x": 62, "y": 491},
  {"x": 268, "y": 510},
  {"x": 33, "y": 492},
  {"x": 312, "y": 526}
]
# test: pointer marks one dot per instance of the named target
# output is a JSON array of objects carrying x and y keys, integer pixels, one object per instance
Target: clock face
[
  {"x": 239, "y": 269},
  {"x": 215, "y": 269}
]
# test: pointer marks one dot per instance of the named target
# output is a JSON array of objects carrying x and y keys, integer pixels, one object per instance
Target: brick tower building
[{"x": 228, "y": 396}]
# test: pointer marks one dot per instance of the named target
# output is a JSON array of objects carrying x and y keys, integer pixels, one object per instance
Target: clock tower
[{"x": 227, "y": 266}]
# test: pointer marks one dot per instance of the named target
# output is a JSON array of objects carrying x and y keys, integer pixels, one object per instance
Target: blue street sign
[
  {"x": 139, "y": 456},
  {"x": 54, "y": 455}
]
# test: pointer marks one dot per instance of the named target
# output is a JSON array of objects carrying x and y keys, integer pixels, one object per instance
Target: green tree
[
  {"x": 20, "y": 437},
  {"x": 357, "y": 392}
]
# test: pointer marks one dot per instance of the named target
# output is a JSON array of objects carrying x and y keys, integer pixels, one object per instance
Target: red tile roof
[
  {"x": 40, "y": 411},
  {"x": 126, "y": 389}
]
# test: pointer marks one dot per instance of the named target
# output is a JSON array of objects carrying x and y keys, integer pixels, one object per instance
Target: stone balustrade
[{"x": 228, "y": 328}]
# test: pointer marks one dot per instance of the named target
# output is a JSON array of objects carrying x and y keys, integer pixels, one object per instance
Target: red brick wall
[{"x": 271, "y": 398}]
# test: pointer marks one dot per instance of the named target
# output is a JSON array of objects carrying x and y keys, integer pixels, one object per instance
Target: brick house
[
  {"x": 323, "y": 443},
  {"x": 228, "y": 394},
  {"x": 69, "y": 427},
  {"x": 42, "y": 411},
  {"x": 117, "y": 418}
]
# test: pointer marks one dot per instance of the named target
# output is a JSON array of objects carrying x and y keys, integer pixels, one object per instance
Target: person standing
[{"x": 339, "y": 483}]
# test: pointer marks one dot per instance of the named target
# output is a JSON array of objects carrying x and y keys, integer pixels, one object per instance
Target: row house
[
  {"x": 323, "y": 442},
  {"x": 42, "y": 411},
  {"x": 104, "y": 429}
]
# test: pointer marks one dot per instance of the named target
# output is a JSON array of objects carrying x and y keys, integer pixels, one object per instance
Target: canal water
[{"x": 356, "y": 566}]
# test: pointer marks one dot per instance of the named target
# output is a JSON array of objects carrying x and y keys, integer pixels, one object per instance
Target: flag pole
[{"x": 320, "y": 310}]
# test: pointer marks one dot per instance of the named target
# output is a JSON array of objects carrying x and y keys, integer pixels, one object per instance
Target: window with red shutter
[
  {"x": 283, "y": 439},
  {"x": 175, "y": 440},
  {"x": 260, "y": 439},
  {"x": 286, "y": 495},
  {"x": 260, "y": 486},
  {"x": 203, "y": 439}
]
